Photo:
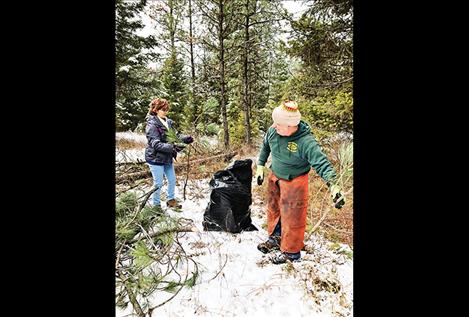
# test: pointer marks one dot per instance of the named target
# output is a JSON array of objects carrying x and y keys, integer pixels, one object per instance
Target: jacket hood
[{"x": 303, "y": 129}]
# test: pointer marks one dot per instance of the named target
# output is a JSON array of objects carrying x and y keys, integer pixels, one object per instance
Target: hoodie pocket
[{"x": 160, "y": 157}]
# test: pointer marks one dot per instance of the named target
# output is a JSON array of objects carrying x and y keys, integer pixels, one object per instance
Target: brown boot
[
  {"x": 273, "y": 243},
  {"x": 172, "y": 203}
]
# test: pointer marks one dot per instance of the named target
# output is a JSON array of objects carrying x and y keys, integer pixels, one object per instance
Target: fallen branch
[
  {"x": 221, "y": 269},
  {"x": 132, "y": 297},
  {"x": 316, "y": 226},
  {"x": 130, "y": 163},
  {"x": 147, "y": 174},
  {"x": 337, "y": 229},
  {"x": 132, "y": 186},
  {"x": 159, "y": 233},
  {"x": 145, "y": 198},
  {"x": 133, "y": 176}
]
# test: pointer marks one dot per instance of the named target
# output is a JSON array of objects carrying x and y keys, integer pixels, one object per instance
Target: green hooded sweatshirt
[{"x": 294, "y": 155}]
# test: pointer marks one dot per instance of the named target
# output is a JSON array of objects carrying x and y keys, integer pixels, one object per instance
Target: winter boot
[
  {"x": 284, "y": 257},
  {"x": 273, "y": 243},
  {"x": 172, "y": 203}
]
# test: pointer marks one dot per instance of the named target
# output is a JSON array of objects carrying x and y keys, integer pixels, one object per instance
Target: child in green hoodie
[{"x": 294, "y": 151}]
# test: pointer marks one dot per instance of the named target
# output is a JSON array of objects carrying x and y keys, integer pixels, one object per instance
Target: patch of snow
[
  {"x": 131, "y": 155},
  {"x": 235, "y": 279},
  {"x": 125, "y": 68},
  {"x": 129, "y": 135}
]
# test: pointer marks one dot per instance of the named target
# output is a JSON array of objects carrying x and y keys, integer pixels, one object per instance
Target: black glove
[
  {"x": 338, "y": 197},
  {"x": 174, "y": 153},
  {"x": 179, "y": 147},
  {"x": 188, "y": 139},
  {"x": 338, "y": 200}
]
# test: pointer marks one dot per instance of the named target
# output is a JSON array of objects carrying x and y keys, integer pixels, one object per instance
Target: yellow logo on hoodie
[{"x": 292, "y": 147}]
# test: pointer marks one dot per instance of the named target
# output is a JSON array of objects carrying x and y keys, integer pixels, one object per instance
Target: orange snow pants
[{"x": 288, "y": 201}]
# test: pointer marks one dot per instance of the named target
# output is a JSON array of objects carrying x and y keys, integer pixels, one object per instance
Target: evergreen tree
[
  {"x": 174, "y": 82},
  {"x": 249, "y": 73},
  {"x": 169, "y": 16},
  {"x": 208, "y": 91},
  {"x": 135, "y": 83},
  {"x": 323, "y": 42},
  {"x": 219, "y": 18}
]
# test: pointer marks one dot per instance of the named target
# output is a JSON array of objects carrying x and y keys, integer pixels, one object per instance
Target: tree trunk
[
  {"x": 172, "y": 26},
  {"x": 246, "y": 107},
  {"x": 221, "y": 36},
  {"x": 191, "y": 42}
]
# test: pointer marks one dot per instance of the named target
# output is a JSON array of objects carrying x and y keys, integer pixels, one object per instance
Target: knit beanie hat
[{"x": 287, "y": 114}]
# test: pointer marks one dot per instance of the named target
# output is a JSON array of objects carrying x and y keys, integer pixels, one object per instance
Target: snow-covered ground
[
  {"x": 136, "y": 137},
  {"x": 131, "y": 155},
  {"x": 135, "y": 154},
  {"x": 235, "y": 279}
]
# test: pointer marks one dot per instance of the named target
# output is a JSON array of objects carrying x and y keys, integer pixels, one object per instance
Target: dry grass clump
[{"x": 127, "y": 144}]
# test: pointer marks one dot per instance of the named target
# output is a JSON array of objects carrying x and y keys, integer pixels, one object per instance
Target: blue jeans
[{"x": 158, "y": 171}]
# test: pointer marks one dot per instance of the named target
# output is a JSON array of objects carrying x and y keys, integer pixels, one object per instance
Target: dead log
[
  {"x": 138, "y": 162},
  {"x": 160, "y": 233},
  {"x": 126, "y": 178},
  {"x": 177, "y": 166}
]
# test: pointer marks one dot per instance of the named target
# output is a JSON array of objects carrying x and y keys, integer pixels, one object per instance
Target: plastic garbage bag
[{"x": 230, "y": 199}]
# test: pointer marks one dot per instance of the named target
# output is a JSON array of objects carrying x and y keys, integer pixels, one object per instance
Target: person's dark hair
[{"x": 158, "y": 104}]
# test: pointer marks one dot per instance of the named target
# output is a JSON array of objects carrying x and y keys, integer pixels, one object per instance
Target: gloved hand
[
  {"x": 338, "y": 198},
  {"x": 174, "y": 153},
  {"x": 178, "y": 147},
  {"x": 260, "y": 172},
  {"x": 188, "y": 139}
]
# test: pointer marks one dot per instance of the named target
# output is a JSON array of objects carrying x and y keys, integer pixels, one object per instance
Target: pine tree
[
  {"x": 169, "y": 16},
  {"x": 249, "y": 74},
  {"x": 135, "y": 83},
  {"x": 323, "y": 42},
  {"x": 219, "y": 16},
  {"x": 174, "y": 82}
]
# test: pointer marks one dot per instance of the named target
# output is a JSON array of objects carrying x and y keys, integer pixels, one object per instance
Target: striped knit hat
[{"x": 287, "y": 114}]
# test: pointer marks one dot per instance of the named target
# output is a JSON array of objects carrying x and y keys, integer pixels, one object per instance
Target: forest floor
[{"x": 235, "y": 279}]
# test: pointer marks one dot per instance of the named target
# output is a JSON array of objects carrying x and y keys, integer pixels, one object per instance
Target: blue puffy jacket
[{"x": 158, "y": 151}]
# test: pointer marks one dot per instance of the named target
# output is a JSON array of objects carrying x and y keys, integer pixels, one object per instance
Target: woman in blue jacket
[{"x": 159, "y": 153}]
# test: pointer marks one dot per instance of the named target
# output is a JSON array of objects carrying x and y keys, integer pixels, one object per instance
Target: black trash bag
[{"x": 230, "y": 200}]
